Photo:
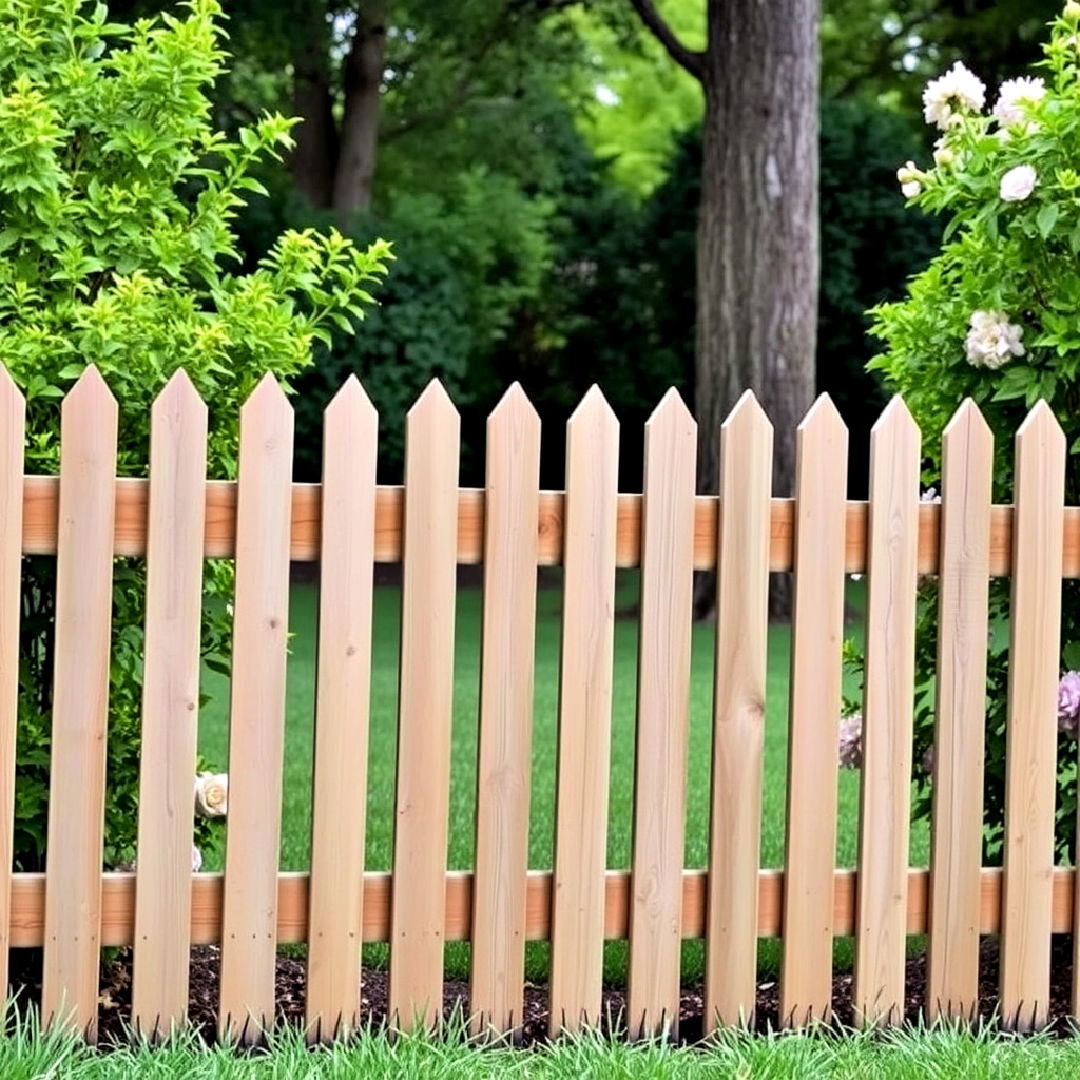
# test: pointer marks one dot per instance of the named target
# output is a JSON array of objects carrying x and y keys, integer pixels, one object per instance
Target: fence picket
[
  {"x": 504, "y": 770},
  {"x": 817, "y": 633},
  {"x": 257, "y": 714},
  {"x": 663, "y": 718},
  {"x": 885, "y": 793},
  {"x": 69, "y": 992},
  {"x": 178, "y": 433},
  {"x": 956, "y": 833},
  {"x": 432, "y": 441},
  {"x": 12, "y": 435},
  {"x": 1031, "y": 728},
  {"x": 339, "y": 786},
  {"x": 742, "y": 625},
  {"x": 584, "y": 750}
]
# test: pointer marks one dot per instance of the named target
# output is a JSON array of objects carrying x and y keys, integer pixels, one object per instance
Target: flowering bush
[{"x": 996, "y": 317}]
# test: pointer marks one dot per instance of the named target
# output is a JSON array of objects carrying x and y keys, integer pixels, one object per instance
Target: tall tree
[{"x": 757, "y": 251}]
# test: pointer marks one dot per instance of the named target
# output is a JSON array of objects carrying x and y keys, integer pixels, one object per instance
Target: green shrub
[
  {"x": 994, "y": 318},
  {"x": 117, "y": 208}
]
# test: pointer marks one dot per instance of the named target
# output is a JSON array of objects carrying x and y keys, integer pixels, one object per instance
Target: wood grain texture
[
  {"x": 342, "y": 701},
  {"x": 432, "y": 438},
  {"x": 504, "y": 770},
  {"x": 663, "y": 718},
  {"x": 584, "y": 740},
  {"x": 1031, "y": 728},
  {"x": 27, "y": 929},
  {"x": 742, "y": 626},
  {"x": 885, "y": 803},
  {"x": 817, "y": 642},
  {"x": 40, "y": 516},
  {"x": 957, "y": 816},
  {"x": 256, "y": 715},
  {"x": 170, "y": 704},
  {"x": 83, "y": 616},
  {"x": 12, "y": 435}
]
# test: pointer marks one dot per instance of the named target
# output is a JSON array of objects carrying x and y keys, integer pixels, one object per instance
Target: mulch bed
[{"x": 115, "y": 1002}]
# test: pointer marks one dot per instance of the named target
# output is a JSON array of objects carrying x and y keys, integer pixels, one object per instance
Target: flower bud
[
  {"x": 1072, "y": 11},
  {"x": 944, "y": 156}
]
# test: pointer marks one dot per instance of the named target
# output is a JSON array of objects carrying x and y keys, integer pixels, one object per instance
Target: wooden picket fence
[{"x": 177, "y": 518}]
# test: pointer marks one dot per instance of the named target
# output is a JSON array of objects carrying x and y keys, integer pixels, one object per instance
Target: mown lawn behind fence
[{"x": 296, "y": 822}]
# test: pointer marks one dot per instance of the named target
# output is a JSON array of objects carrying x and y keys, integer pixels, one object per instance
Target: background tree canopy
[{"x": 536, "y": 164}]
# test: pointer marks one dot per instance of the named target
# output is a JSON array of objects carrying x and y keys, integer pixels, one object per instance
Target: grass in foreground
[
  {"x": 941, "y": 1052},
  {"x": 296, "y": 819}
]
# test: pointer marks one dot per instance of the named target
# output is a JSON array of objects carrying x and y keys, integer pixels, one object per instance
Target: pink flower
[
  {"x": 1069, "y": 703},
  {"x": 849, "y": 742},
  {"x": 1017, "y": 184}
]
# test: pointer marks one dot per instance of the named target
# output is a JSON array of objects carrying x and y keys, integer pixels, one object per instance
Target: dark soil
[{"x": 115, "y": 1001}]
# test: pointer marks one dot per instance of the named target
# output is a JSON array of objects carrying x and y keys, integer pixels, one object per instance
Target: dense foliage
[
  {"x": 118, "y": 201},
  {"x": 994, "y": 318}
]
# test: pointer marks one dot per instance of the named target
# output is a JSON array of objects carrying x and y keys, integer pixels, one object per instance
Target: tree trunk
[
  {"x": 315, "y": 155},
  {"x": 363, "y": 74},
  {"x": 757, "y": 251}
]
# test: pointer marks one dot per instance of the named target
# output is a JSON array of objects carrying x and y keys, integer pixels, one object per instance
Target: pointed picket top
[
  {"x": 178, "y": 397},
  {"x": 90, "y": 392},
  {"x": 822, "y": 429},
  {"x": 672, "y": 412},
  {"x": 895, "y": 419},
  {"x": 968, "y": 424},
  {"x": 823, "y": 413},
  {"x": 1040, "y": 424},
  {"x": 268, "y": 396},
  {"x": 593, "y": 414},
  {"x": 514, "y": 410},
  {"x": 350, "y": 404},
  {"x": 433, "y": 400},
  {"x": 747, "y": 414}
]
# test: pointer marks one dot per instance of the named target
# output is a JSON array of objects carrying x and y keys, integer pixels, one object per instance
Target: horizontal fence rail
[
  {"x": 40, "y": 516},
  {"x": 176, "y": 518}
]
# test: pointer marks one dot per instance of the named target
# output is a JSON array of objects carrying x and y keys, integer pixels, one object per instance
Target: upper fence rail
[{"x": 41, "y": 507}]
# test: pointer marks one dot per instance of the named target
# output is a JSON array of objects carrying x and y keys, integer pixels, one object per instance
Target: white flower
[
  {"x": 955, "y": 92},
  {"x": 212, "y": 794},
  {"x": 196, "y": 859},
  {"x": 1018, "y": 183},
  {"x": 849, "y": 742},
  {"x": 930, "y": 495},
  {"x": 1072, "y": 10},
  {"x": 1014, "y": 94},
  {"x": 910, "y": 179},
  {"x": 992, "y": 339},
  {"x": 942, "y": 154},
  {"x": 911, "y": 188}
]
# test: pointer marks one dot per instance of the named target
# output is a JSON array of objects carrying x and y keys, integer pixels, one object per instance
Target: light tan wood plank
[
  {"x": 88, "y": 422},
  {"x": 40, "y": 507},
  {"x": 584, "y": 750},
  {"x": 170, "y": 708},
  {"x": 12, "y": 436},
  {"x": 957, "y": 819},
  {"x": 1031, "y": 732},
  {"x": 663, "y": 718},
  {"x": 504, "y": 772},
  {"x": 256, "y": 714},
  {"x": 742, "y": 626},
  {"x": 885, "y": 802},
  {"x": 432, "y": 440},
  {"x": 27, "y": 929},
  {"x": 339, "y": 791},
  {"x": 817, "y": 642}
]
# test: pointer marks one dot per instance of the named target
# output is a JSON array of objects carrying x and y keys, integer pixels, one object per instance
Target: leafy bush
[
  {"x": 994, "y": 318},
  {"x": 117, "y": 208}
]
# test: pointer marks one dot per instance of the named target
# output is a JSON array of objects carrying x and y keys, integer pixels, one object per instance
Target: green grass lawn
[
  {"x": 296, "y": 822},
  {"x": 903, "y": 1054}
]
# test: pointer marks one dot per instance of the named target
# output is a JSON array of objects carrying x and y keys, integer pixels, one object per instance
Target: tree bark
[
  {"x": 362, "y": 75},
  {"x": 757, "y": 250},
  {"x": 314, "y": 157}
]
